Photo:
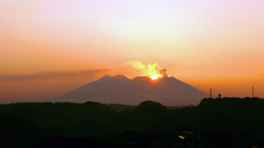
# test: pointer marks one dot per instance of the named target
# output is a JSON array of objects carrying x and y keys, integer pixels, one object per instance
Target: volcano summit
[{"x": 121, "y": 90}]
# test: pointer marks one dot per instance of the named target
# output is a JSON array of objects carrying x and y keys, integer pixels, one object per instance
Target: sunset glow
[
  {"x": 51, "y": 47},
  {"x": 153, "y": 71}
]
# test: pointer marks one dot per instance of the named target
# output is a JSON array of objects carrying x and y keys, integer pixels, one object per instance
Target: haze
[{"x": 48, "y": 48}]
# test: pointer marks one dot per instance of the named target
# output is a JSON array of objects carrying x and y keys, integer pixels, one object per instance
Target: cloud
[
  {"x": 139, "y": 69},
  {"x": 52, "y": 75}
]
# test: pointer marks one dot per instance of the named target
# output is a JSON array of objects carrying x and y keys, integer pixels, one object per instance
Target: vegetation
[{"x": 226, "y": 122}]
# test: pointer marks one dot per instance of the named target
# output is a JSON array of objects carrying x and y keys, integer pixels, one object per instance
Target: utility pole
[{"x": 253, "y": 92}]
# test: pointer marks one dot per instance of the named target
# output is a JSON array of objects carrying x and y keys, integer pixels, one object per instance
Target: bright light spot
[
  {"x": 181, "y": 137},
  {"x": 154, "y": 77}
]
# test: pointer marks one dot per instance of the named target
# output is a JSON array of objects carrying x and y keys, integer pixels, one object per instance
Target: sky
[{"x": 48, "y": 48}]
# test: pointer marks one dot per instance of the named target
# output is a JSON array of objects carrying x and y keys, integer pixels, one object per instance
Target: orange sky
[{"x": 48, "y": 48}]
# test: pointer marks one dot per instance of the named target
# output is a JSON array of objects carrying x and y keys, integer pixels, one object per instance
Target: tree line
[{"x": 225, "y": 122}]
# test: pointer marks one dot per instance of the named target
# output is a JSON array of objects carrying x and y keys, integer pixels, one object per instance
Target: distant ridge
[{"x": 120, "y": 90}]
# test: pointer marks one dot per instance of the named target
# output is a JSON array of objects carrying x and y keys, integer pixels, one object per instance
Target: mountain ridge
[{"x": 119, "y": 89}]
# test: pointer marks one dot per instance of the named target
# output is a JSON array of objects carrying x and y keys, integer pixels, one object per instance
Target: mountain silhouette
[{"x": 120, "y": 90}]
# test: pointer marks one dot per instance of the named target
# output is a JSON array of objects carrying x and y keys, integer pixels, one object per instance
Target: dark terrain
[{"x": 227, "y": 122}]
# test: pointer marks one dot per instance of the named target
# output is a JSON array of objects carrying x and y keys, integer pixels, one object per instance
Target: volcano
[{"x": 120, "y": 90}]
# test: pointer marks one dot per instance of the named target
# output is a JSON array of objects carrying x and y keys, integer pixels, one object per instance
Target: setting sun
[{"x": 154, "y": 77}]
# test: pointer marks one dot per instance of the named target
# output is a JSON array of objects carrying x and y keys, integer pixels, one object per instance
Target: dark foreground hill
[
  {"x": 227, "y": 122},
  {"x": 121, "y": 90},
  {"x": 18, "y": 132}
]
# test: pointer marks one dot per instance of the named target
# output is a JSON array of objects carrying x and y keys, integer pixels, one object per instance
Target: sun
[{"x": 154, "y": 77}]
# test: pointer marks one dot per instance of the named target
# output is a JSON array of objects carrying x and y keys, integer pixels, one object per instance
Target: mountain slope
[{"x": 119, "y": 89}]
